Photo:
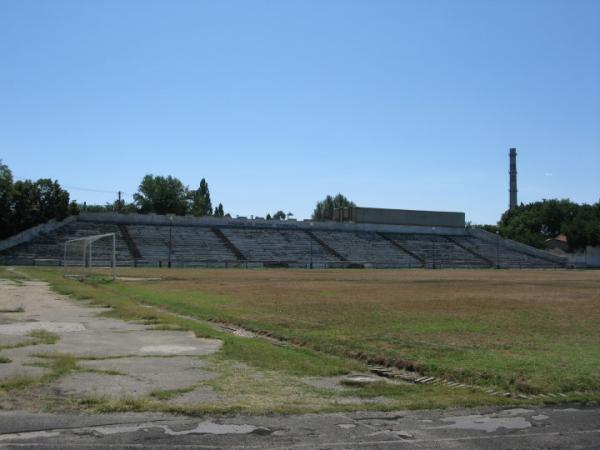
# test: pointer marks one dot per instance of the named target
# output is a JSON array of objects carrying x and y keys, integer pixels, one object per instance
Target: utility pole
[
  {"x": 311, "y": 247},
  {"x": 170, "y": 238},
  {"x": 497, "y": 249},
  {"x": 311, "y": 252},
  {"x": 433, "y": 245}
]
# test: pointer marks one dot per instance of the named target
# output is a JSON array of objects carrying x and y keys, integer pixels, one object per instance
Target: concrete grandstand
[{"x": 186, "y": 241}]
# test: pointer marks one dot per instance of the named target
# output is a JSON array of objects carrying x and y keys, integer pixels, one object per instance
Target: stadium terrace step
[
  {"x": 325, "y": 245},
  {"x": 236, "y": 251},
  {"x": 186, "y": 244},
  {"x": 130, "y": 242},
  {"x": 273, "y": 245},
  {"x": 401, "y": 247},
  {"x": 473, "y": 252},
  {"x": 366, "y": 247},
  {"x": 436, "y": 251},
  {"x": 503, "y": 256}
]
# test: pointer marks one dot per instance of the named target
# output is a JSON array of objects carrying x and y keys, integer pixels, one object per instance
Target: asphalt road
[{"x": 492, "y": 428}]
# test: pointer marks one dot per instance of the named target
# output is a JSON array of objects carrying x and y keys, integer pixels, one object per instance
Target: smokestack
[{"x": 513, "y": 178}]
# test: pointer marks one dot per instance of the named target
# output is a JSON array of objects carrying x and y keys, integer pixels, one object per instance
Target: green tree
[
  {"x": 488, "y": 228},
  {"x": 584, "y": 228},
  {"x": 279, "y": 215},
  {"x": 74, "y": 209},
  {"x": 536, "y": 222},
  {"x": 219, "y": 212},
  {"x": 201, "y": 203},
  {"x": 37, "y": 202},
  {"x": 162, "y": 195},
  {"x": 324, "y": 208},
  {"x": 6, "y": 197},
  {"x": 53, "y": 200}
]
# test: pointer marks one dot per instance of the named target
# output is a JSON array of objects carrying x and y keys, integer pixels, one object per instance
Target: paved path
[
  {"x": 136, "y": 352},
  {"x": 542, "y": 428}
]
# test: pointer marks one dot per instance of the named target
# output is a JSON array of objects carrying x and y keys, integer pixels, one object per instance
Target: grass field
[{"x": 523, "y": 331}]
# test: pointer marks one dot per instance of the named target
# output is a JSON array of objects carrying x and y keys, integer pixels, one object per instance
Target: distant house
[
  {"x": 590, "y": 257},
  {"x": 557, "y": 245}
]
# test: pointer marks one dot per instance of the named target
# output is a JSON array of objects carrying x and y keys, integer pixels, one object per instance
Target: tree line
[
  {"x": 24, "y": 204},
  {"x": 27, "y": 203},
  {"x": 534, "y": 223}
]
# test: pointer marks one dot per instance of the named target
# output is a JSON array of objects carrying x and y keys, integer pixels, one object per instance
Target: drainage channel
[
  {"x": 224, "y": 327},
  {"x": 413, "y": 377}
]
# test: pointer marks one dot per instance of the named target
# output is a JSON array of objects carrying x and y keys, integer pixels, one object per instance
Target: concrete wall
[
  {"x": 401, "y": 217},
  {"x": 588, "y": 258},
  {"x": 156, "y": 219}
]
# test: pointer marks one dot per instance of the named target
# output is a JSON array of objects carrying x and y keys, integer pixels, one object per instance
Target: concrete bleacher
[
  {"x": 48, "y": 247},
  {"x": 367, "y": 248},
  {"x": 188, "y": 244},
  {"x": 283, "y": 246},
  {"x": 438, "y": 251},
  {"x": 503, "y": 256},
  {"x": 146, "y": 240}
]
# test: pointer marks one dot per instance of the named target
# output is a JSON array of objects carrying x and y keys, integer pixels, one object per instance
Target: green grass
[
  {"x": 4, "y": 359},
  {"x": 9, "y": 273},
  {"x": 37, "y": 337},
  {"x": 521, "y": 331},
  {"x": 58, "y": 365},
  {"x": 44, "y": 337},
  {"x": 168, "y": 394}
]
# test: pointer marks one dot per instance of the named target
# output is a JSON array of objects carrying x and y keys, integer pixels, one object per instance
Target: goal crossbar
[{"x": 87, "y": 242}]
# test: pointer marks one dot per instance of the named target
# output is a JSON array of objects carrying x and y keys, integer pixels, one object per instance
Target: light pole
[
  {"x": 497, "y": 249},
  {"x": 170, "y": 239},
  {"x": 433, "y": 245},
  {"x": 311, "y": 246}
]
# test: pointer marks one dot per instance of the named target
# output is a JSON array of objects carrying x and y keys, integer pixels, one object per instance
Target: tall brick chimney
[{"x": 512, "y": 202}]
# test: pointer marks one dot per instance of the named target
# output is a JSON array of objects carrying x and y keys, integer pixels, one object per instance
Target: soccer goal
[{"x": 90, "y": 255}]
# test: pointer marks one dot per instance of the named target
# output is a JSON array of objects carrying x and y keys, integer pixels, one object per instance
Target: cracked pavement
[{"x": 491, "y": 428}]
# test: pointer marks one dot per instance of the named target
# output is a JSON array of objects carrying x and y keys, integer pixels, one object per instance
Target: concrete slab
[
  {"x": 148, "y": 359},
  {"x": 139, "y": 376},
  {"x": 200, "y": 395},
  {"x": 11, "y": 340},
  {"x": 23, "y": 328},
  {"x": 21, "y": 366}
]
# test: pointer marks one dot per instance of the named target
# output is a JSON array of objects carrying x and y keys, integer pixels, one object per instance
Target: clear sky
[{"x": 400, "y": 104}]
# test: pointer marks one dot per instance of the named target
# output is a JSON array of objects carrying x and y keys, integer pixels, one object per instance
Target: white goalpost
[{"x": 80, "y": 253}]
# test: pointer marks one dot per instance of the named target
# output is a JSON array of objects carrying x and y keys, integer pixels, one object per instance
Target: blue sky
[{"x": 401, "y": 104}]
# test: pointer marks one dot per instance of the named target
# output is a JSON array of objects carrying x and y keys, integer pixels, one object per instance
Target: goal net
[{"x": 90, "y": 255}]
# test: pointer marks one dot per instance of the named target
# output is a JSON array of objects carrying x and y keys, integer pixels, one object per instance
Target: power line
[
  {"x": 83, "y": 189},
  {"x": 103, "y": 191}
]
